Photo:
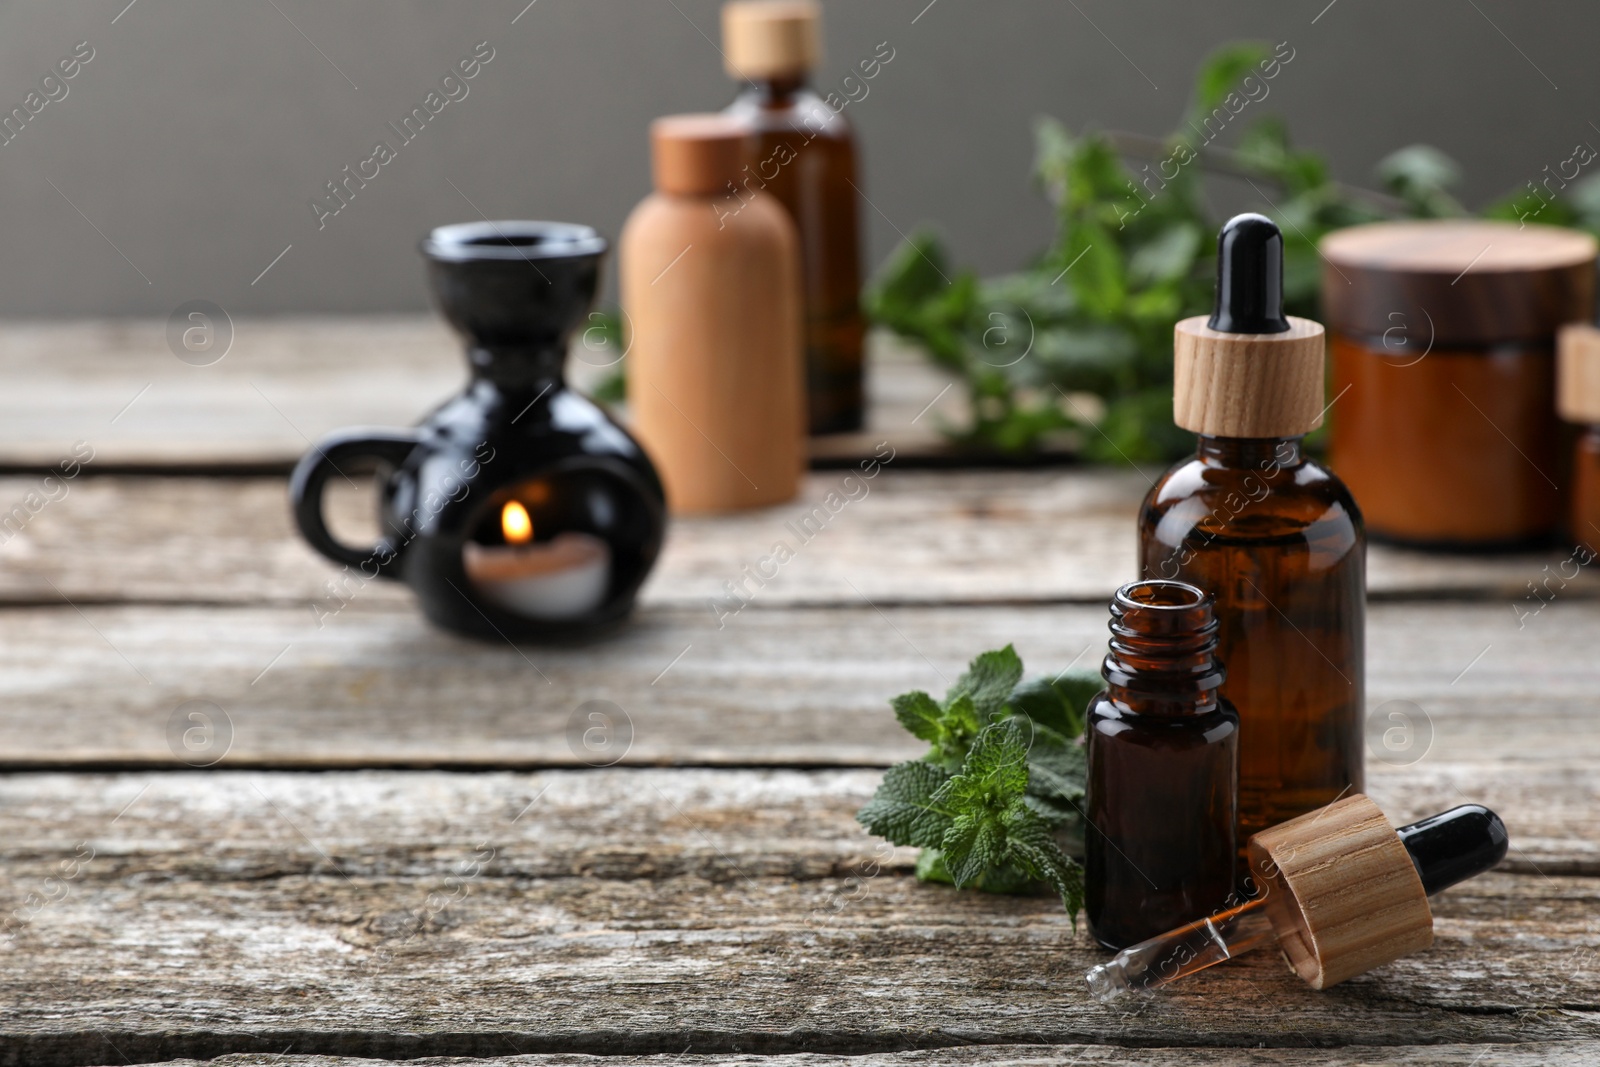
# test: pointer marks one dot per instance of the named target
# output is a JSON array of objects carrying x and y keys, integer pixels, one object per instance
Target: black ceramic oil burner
[{"x": 518, "y": 508}]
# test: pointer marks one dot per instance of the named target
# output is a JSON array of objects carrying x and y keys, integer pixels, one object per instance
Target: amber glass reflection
[
  {"x": 1583, "y": 517},
  {"x": 1456, "y": 448},
  {"x": 805, "y": 155},
  {"x": 1277, "y": 539},
  {"x": 1163, "y": 761}
]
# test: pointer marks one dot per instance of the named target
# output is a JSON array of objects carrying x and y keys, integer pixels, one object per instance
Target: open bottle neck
[{"x": 1162, "y": 658}]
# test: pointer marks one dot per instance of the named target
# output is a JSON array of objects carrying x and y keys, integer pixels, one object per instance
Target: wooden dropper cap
[
  {"x": 1248, "y": 370},
  {"x": 1346, "y": 892},
  {"x": 771, "y": 38},
  {"x": 696, "y": 155},
  {"x": 1578, "y": 373}
]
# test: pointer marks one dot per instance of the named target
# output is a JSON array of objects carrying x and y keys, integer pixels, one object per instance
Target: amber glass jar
[
  {"x": 1579, "y": 402},
  {"x": 1443, "y": 383},
  {"x": 1163, "y": 757},
  {"x": 803, "y": 153}
]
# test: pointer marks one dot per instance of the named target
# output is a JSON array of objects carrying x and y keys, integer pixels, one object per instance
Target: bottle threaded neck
[{"x": 1163, "y": 645}]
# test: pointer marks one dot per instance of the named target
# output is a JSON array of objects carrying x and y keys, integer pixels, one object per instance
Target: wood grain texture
[
  {"x": 401, "y": 914},
  {"x": 1530, "y": 1054},
  {"x": 1247, "y": 384},
  {"x": 117, "y": 385},
  {"x": 901, "y": 537},
  {"x": 617, "y": 823},
  {"x": 1457, "y": 281},
  {"x": 1352, "y": 899},
  {"x": 376, "y": 685}
]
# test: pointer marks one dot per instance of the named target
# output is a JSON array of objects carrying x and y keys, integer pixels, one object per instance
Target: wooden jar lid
[
  {"x": 696, "y": 155},
  {"x": 1578, "y": 373},
  {"x": 1458, "y": 281},
  {"x": 1247, "y": 384},
  {"x": 771, "y": 38},
  {"x": 1342, "y": 892}
]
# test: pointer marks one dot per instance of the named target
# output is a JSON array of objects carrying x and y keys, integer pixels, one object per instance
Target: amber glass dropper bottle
[
  {"x": 804, "y": 154},
  {"x": 1272, "y": 534},
  {"x": 1163, "y": 767}
]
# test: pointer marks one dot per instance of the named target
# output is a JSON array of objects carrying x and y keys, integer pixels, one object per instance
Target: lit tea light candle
[{"x": 562, "y": 578}]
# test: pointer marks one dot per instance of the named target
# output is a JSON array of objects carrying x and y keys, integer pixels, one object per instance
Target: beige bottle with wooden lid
[
  {"x": 1269, "y": 532},
  {"x": 1578, "y": 400},
  {"x": 712, "y": 303}
]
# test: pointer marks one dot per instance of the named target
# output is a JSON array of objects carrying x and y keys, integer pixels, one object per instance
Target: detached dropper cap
[
  {"x": 1248, "y": 370},
  {"x": 1346, "y": 892}
]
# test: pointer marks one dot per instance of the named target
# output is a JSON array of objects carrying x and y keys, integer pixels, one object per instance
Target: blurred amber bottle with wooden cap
[
  {"x": 713, "y": 313},
  {"x": 1444, "y": 372},
  {"x": 803, "y": 152},
  {"x": 1578, "y": 401},
  {"x": 1269, "y": 532}
]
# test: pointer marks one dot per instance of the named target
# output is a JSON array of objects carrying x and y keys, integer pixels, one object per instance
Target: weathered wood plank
[
  {"x": 377, "y": 685},
  {"x": 635, "y": 911},
  {"x": 118, "y": 385},
  {"x": 360, "y": 927},
  {"x": 1532, "y": 1054},
  {"x": 716, "y": 825},
  {"x": 901, "y": 537}
]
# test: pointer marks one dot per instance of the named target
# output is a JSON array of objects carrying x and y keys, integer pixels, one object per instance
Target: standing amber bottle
[
  {"x": 1163, "y": 769},
  {"x": 1274, "y": 536},
  {"x": 803, "y": 152},
  {"x": 1578, "y": 381}
]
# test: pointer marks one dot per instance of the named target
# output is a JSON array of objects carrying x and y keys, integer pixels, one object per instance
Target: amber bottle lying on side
[{"x": 1269, "y": 532}]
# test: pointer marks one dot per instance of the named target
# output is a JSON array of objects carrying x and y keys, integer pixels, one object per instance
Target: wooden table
[{"x": 402, "y": 844}]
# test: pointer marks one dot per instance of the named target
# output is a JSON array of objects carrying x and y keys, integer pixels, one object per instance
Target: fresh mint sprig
[{"x": 999, "y": 790}]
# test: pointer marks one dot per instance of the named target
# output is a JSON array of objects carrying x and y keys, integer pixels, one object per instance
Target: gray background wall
[{"x": 197, "y": 135}]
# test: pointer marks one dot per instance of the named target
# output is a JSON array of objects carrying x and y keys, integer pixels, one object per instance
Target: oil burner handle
[{"x": 324, "y": 461}]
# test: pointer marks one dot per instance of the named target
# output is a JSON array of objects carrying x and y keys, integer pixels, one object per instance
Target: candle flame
[{"x": 516, "y": 524}]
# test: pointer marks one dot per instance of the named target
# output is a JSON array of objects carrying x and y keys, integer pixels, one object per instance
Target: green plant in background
[
  {"x": 1132, "y": 253},
  {"x": 997, "y": 794}
]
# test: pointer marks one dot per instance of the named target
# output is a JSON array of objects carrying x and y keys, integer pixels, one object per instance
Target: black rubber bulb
[
  {"x": 1455, "y": 845},
  {"x": 1249, "y": 277}
]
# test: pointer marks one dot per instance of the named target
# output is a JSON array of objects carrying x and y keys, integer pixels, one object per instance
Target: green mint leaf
[
  {"x": 920, "y": 714},
  {"x": 1059, "y": 703},
  {"x": 1221, "y": 74},
  {"x": 1031, "y": 846},
  {"x": 972, "y": 844},
  {"x": 930, "y": 867},
  {"x": 989, "y": 681},
  {"x": 903, "y": 810},
  {"x": 992, "y": 780},
  {"x": 1058, "y": 780},
  {"x": 994, "y": 774}
]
